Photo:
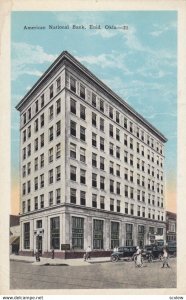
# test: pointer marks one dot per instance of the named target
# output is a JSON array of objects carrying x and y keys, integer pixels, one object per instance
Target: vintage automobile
[
  {"x": 126, "y": 252},
  {"x": 151, "y": 252}
]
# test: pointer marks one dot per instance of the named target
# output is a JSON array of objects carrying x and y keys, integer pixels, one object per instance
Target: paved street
[{"x": 92, "y": 276}]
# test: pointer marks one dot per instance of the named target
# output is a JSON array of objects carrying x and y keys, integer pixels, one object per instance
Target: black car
[
  {"x": 123, "y": 253},
  {"x": 151, "y": 252}
]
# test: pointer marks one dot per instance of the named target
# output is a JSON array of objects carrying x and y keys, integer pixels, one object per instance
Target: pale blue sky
[{"x": 139, "y": 64}]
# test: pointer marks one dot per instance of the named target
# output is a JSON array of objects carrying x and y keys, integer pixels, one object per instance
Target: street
[{"x": 92, "y": 276}]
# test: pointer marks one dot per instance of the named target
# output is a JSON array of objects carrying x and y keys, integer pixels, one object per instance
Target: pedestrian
[
  {"x": 138, "y": 257},
  {"x": 52, "y": 252},
  {"x": 87, "y": 254},
  {"x": 165, "y": 258},
  {"x": 115, "y": 249},
  {"x": 37, "y": 256}
]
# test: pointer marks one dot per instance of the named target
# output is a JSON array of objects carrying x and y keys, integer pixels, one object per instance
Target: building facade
[
  {"x": 91, "y": 166},
  {"x": 171, "y": 226}
]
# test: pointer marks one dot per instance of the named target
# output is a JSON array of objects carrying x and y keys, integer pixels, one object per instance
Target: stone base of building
[{"x": 26, "y": 253}]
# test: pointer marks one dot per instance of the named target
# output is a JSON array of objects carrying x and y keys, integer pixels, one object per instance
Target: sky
[{"x": 139, "y": 64}]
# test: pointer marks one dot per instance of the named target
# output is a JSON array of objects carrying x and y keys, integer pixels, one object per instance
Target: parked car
[
  {"x": 153, "y": 251},
  {"x": 123, "y": 253}
]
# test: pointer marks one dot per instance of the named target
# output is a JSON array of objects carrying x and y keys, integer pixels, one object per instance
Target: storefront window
[
  {"x": 114, "y": 235},
  {"x": 26, "y": 235},
  {"x": 54, "y": 233},
  {"x": 129, "y": 234},
  {"x": 97, "y": 234},
  {"x": 141, "y": 234},
  {"x": 77, "y": 233}
]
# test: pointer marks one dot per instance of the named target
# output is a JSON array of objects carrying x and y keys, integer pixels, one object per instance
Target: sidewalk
[{"x": 58, "y": 261}]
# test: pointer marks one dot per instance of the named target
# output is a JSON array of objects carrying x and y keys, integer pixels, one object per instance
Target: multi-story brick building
[{"x": 91, "y": 166}]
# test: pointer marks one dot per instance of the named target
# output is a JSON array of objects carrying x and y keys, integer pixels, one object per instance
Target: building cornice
[{"x": 66, "y": 56}]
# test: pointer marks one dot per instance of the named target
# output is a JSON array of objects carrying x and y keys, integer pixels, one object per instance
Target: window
[
  {"x": 94, "y": 160},
  {"x": 24, "y": 189},
  {"x": 26, "y": 235},
  {"x": 24, "y": 118},
  {"x": 94, "y": 200},
  {"x": 36, "y": 203},
  {"x": 82, "y": 155},
  {"x": 42, "y": 120},
  {"x": 73, "y": 106},
  {"x": 36, "y": 106},
  {"x": 36, "y": 125},
  {"x": 94, "y": 119},
  {"x": 131, "y": 143},
  {"x": 101, "y": 124},
  {"x": 125, "y": 122},
  {"x": 131, "y": 176},
  {"x": 143, "y": 212},
  {"x": 72, "y": 150},
  {"x": 42, "y": 100},
  {"x": 125, "y": 156},
  {"x": 143, "y": 181},
  {"x": 58, "y": 128},
  {"x": 51, "y": 134},
  {"x": 138, "y": 195},
  {"x": 126, "y": 191},
  {"x": 58, "y": 196},
  {"x": 77, "y": 233},
  {"x": 118, "y": 206},
  {"x": 42, "y": 180},
  {"x": 50, "y": 175},
  {"x": 39, "y": 224},
  {"x": 139, "y": 211},
  {"x": 42, "y": 140},
  {"x": 23, "y": 171},
  {"x": 138, "y": 147},
  {"x": 51, "y": 91},
  {"x": 131, "y": 159},
  {"x": 29, "y": 131},
  {"x": 82, "y": 91},
  {"x": 142, "y": 150},
  {"x": 101, "y": 105},
  {"x": 118, "y": 188},
  {"x": 58, "y": 106},
  {"x": 94, "y": 180},
  {"x": 102, "y": 202},
  {"x": 111, "y": 186},
  {"x": 82, "y": 112},
  {"x": 159, "y": 231},
  {"x": 58, "y": 150},
  {"x": 111, "y": 130},
  {"x": 58, "y": 173},
  {"x": 131, "y": 193},
  {"x": 111, "y": 148},
  {"x": 82, "y": 198},
  {"x": 102, "y": 182},
  {"x": 132, "y": 209},
  {"x": 51, "y": 112},
  {"x": 102, "y": 163},
  {"x": 117, "y": 134},
  {"x": 29, "y": 113},
  {"x": 73, "y": 173},
  {"x": 58, "y": 84},
  {"x": 50, "y": 198},
  {"x": 82, "y": 176},
  {"x": 126, "y": 174},
  {"x": 102, "y": 146},
  {"x": 42, "y": 160},
  {"x": 36, "y": 183},
  {"x": 28, "y": 205},
  {"x": 50, "y": 155},
  {"x": 131, "y": 127},
  {"x": 73, "y": 128},
  {"x": 117, "y": 152},
  {"x": 55, "y": 233},
  {"x": 111, "y": 168},
  {"x": 117, "y": 116},
  {"x": 29, "y": 168},
  {"x": 36, "y": 144},
  {"x": 29, "y": 150},
  {"x": 111, "y": 112},
  {"x": 73, "y": 84},
  {"x": 126, "y": 208},
  {"x": 42, "y": 201},
  {"x": 93, "y": 100},
  {"x": 138, "y": 179},
  {"x": 82, "y": 133},
  {"x": 97, "y": 234},
  {"x": 94, "y": 141},
  {"x": 111, "y": 204},
  {"x": 73, "y": 196},
  {"x": 129, "y": 235},
  {"x": 125, "y": 139}
]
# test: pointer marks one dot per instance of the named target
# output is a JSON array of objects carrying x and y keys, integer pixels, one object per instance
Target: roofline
[{"x": 73, "y": 60}]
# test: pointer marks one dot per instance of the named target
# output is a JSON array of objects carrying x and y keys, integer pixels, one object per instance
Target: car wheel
[{"x": 114, "y": 258}]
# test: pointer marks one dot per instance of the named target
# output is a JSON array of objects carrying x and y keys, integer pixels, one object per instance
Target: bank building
[{"x": 91, "y": 167}]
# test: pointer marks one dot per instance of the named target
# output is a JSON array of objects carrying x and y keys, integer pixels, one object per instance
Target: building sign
[{"x": 65, "y": 246}]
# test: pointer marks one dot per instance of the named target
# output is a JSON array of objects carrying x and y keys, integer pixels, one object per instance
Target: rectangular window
[
  {"x": 111, "y": 130},
  {"x": 73, "y": 173},
  {"x": 102, "y": 202},
  {"x": 26, "y": 235},
  {"x": 93, "y": 100},
  {"x": 42, "y": 180},
  {"x": 82, "y": 91},
  {"x": 102, "y": 146},
  {"x": 36, "y": 144},
  {"x": 50, "y": 198},
  {"x": 125, "y": 122},
  {"x": 111, "y": 149},
  {"x": 24, "y": 189},
  {"x": 42, "y": 120},
  {"x": 94, "y": 180},
  {"x": 111, "y": 112},
  {"x": 82, "y": 176},
  {"x": 23, "y": 207},
  {"x": 24, "y": 118},
  {"x": 118, "y": 205},
  {"x": 29, "y": 168},
  {"x": 111, "y": 186},
  {"x": 72, "y": 150},
  {"x": 82, "y": 112},
  {"x": 29, "y": 113},
  {"x": 132, "y": 209},
  {"x": 94, "y": 200},
  {"x": 36, "y": 125},
  {"x": 51, "y": 91},
  {"x": 42, "y": 100},
  {"x": 36, "y": 203},
  {"x": 117, "y": 116},
  {"x": 58, "y": 128},
  {"x": 94, "y": 122},
  {"x": 42, "y": 140},
  {"x": 102, "y": 163},
  {"x": 94, "y": 160},
  {"x": 117, "y": 152},
  {"x": 50, "y": 155},
  {"x": 73, "y": 196},
  {"x": 50, "y": 176},
  {"x": 126, "y": 208},
  {"x": 82, "y": 134},
  {"x": 82, "y": 155},
  {"x": 55, "y": 233},
  {"x": 51, "y": 112},
  {"x": 73, "y": 84},
  {"x": 82, "y": 198},
  {"x": 117, "y": 134},
  {"x": 118, "y": 188},
  {"x": 94, "y": 140},
  {"x": 29, "y": 131},
  {"x": 97, "y": 234},
  {"x": 36, "y": 183},
  {"x": 72, "y": 128},
  {"x": 111, "y": 168},
  {"x": 58, "y": 196},
  {"x": 111, "y": 204},
  {"x": 101, "y": 105},
  {"x": 129, "y": 235},
  {"x": 42, "y": 201},
  {"x": 23, "y": 171},
  {"x": 102, "y": 182},
  {"x": 28, "y": 205},
  {"x": 36, "y": 106},
  {"x": 58, "y": 106},
  {"x": 77, "y": 233},
  {"x": 58, "y": 173},
  {"x": 101, "y": 124},
  {"x": 58, "y": 150},
  {"x": 58, "y": 84},
  {"x": 29, "y": 150},
  {"x": 51, "y": 134},
  {"x": 73, "y": 106}
]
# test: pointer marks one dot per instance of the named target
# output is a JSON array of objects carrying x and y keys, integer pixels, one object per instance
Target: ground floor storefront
[{"x": 68, "y": 230}]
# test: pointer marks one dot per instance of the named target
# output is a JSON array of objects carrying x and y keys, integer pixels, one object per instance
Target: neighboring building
[
  {"x": 14, "y": 234},
  {"x": 171, "y": 226},
  {"x": 91, "y": 166}
]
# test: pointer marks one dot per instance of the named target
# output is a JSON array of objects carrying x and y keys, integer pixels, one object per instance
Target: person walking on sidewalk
[
  {"x": 138, "y": 257},
  {"x": 87, "y": 254},
  {"x": 165, "y": 258}
]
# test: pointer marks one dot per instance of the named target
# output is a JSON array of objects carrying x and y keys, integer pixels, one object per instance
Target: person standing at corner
[
  {"x": 165, "y": 258},
  {"x": 138, "y": 257}
]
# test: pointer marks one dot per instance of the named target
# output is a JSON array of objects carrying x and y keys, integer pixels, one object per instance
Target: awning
[{"x": 14, "y": 240}]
